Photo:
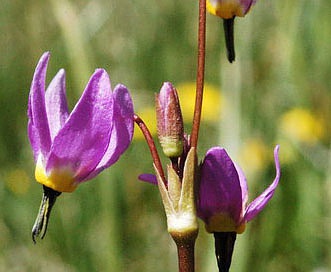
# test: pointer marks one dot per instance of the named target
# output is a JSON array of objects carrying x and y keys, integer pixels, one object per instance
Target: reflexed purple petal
[
  {"x": 56, "y": 103},
  {"x": 219, "y": 186},
  {"x": 122, "y": 132},
  {"x": 38, "y": 129},
  {"x": 150, "y": 178},
  {"x": 259, "y": 203},
  {"x": 83, "y": 140},
  {"x": 246, "y": 4}
]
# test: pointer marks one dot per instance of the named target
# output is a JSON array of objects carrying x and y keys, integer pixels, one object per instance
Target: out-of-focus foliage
[{"x": 277, "y": 90}]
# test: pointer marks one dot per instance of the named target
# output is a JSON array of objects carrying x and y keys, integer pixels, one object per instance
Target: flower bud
[{"x": 170, "y": 125}]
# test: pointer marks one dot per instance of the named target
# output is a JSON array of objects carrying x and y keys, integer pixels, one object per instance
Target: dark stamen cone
[
  {"x": 228, "y": 25},
  {"x": 224, "y": 243},
  {"x": 47, "y": 202}
]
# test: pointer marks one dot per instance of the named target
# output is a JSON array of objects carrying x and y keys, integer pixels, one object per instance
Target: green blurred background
[{"x": 277, "y": 91}]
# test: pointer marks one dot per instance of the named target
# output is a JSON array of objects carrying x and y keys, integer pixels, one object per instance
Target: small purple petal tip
[{"x": 150, "y": 178}]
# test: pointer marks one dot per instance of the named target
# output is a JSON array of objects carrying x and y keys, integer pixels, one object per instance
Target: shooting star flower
[
  {"x": 222, "y": 200},
  {"x": 71, "y": 148}
]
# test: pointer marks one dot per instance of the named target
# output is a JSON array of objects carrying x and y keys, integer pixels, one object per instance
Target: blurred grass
[{"x": 115, "y": 223}]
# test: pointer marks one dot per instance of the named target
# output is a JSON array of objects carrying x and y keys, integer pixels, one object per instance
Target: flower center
[
  {"x": 225, "y": 9},
  {"x": 222, "y": 222},
  {"x": 61, "y": 180}
]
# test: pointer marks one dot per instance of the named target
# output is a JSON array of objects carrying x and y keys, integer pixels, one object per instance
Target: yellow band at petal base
[
  {"x": 225, "y": 9},
  {"x": 223, "y": 223},
  {"x": 60, "y": 180}
]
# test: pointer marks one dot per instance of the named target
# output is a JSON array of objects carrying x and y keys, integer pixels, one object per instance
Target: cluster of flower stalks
[{"x": 71, "y": 148}]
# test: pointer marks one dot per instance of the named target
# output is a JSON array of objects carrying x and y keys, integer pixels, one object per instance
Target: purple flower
[
  {"x": 227, "y": 9},
  {"x": 223, "y": 193},
  {"x": 70, "y": 148}
]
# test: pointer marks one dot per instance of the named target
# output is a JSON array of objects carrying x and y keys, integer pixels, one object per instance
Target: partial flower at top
[
  {"x": 228, "y": 10},
  {"x": 73, "y": 148}
]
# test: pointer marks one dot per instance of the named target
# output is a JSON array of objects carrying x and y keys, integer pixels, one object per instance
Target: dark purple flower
[
  {"x": 223, "y": 193},
  {"x": 222, "y": 200},
  {"x": 70, "y": 148}
]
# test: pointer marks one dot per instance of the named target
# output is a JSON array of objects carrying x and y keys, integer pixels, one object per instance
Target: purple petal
[
  {"x": 150, "y": 178},
  {"x": 56, "y": 103},
  {"x": 34, "y": 140},
  {"x": 246, "y": 4},
  {"x": 259, "y": 203},
  {"x": 38, "y": 129},
  {"x": 243, "y": 186},
  {"x": 83, "y": 140},
  {"x": 33, "y": 133},
  {"x": 122, "y": 132},
  {"x": 220, "y": 190}
]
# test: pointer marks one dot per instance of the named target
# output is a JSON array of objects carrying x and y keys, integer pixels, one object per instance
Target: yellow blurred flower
[
  {"x": 253, "y": 156},
  {"x": 17, "y": 181},
  {"x": 289, "y": 152},
  {"x": 212, "y": 101},
  {"x": 301, "y": 125},
  {"x": 148, "y": 116},
  {"x": 211, "y": 109}
]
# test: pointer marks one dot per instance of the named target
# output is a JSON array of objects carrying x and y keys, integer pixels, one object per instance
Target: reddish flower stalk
[
  {"x": 200, "y": 73},
  {"x": 185, "y": 247},
  {"x": 151, "y": 145},
  {"x": 185, "y": 250},
  {"x": 178, "y": 197}
]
